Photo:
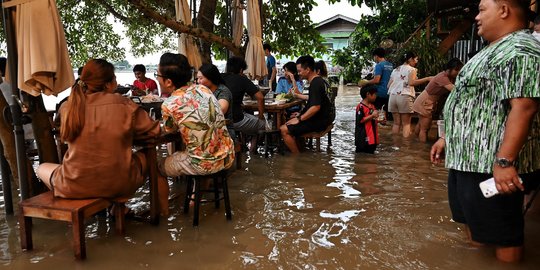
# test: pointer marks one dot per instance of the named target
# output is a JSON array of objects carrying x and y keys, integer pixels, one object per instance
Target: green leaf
[
  {"x": 211, "y": 111},
  {"x": 207, "y": 137}
]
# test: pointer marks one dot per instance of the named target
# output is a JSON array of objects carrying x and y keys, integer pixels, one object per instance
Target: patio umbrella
[
  {"x": 238, "y": 22},
  {"x": 255, "y": 53},
  {"x": 35, "y": 38},
  {"x": 43, "y": 60},
  {"x": 186, "y": 44}
]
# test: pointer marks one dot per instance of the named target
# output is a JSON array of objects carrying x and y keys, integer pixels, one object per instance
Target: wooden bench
[
  {"x": 46, "y": 206},
  {"x": 317, "y": 136}
]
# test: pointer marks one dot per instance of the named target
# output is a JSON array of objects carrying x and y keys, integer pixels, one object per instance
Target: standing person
[
  {"x": 209, "y": 76},
  {"x": 100, "y": 127},
  {"x": 437, "y": 88},
  {"x": 194, "y": 111},
  {"x": 143, "y": 85},
  {"x": 271, "y": 66},
  {"x": 316, "y": 114},
  {"x": 492, "y": 129},
  {"x": 401, "y": 88},
  {"x": 381, "y": 77},
  {"x": 239, "y": 85},
  {"x": 366, "y": 134}
]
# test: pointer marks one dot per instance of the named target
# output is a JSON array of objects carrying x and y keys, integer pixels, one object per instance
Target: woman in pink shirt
[{"x": 426, "y": 103}]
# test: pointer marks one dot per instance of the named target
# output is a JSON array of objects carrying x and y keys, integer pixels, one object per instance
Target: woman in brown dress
[
  {"x": 99, "y": 128},
  {"x": 426, "y": 103}
]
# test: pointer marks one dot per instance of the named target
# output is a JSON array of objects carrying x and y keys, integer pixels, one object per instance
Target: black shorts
[
  {"x": 305, "y": 127},
  {"x": 497, "y": 220}
]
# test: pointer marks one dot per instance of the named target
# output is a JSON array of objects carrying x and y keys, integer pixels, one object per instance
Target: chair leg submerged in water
[
  {"x": 194, "y": 189},
  {"x": 46, "y": 206}
]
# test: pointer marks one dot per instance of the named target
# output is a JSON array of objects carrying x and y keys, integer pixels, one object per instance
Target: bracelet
[{"x": 299, "y": 117}]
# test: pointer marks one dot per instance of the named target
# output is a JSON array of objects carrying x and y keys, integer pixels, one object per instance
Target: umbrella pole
[{"x": 16, "y": 112}]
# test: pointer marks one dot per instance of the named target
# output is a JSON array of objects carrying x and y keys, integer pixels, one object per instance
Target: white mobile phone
[{"x": 488, "y": 188}]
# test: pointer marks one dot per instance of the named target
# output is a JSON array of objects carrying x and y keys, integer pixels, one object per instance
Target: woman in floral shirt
[{"x": 194, "y": 111}]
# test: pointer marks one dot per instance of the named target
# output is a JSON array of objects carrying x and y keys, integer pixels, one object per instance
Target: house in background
[{"x": 336, "y": 32}]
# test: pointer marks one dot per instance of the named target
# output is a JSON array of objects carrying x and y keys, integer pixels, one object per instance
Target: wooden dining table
[
  {"x": 278, "y": 110},
  {"x": 150, "y": 151}
]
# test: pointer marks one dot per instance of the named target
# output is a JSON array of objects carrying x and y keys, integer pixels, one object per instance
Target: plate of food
[{"x": 284, "y": 98}]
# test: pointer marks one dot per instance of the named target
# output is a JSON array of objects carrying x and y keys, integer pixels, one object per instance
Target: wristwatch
[{"x": 503, "y": 162}]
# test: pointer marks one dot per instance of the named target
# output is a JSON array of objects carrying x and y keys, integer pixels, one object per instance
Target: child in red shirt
[{"x": 366, "y": 133}]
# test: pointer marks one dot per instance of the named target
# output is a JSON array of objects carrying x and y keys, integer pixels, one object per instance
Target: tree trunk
[
  {"x": 205, "y": 21},
  {"x": 454, "y": 36}
]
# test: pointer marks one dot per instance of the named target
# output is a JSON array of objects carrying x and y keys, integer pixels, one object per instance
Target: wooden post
[{"x": 454, "y": 36}]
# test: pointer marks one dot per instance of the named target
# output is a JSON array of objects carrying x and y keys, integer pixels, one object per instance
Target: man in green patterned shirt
[{"x": 493, "y": 129}]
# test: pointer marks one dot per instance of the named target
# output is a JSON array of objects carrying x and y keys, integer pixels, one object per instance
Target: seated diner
[
  {"x": 99, "y": 128},
  {"x": 316, "y": 115},
  {"x": 194, "y": 111}
]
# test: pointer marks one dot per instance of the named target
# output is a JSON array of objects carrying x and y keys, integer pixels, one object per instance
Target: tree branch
[
  {"x": 109, "y": 8},
  {"x": 180, "y": 27}
]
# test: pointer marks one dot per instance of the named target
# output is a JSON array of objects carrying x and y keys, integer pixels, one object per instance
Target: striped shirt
[{"x": 476, "y": 111}]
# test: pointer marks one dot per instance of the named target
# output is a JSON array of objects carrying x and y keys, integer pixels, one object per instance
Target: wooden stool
[
  {"x": 317, "y": 136},
  {"x": 196, "y": 180},
  {"x": 73, "y": 211}
]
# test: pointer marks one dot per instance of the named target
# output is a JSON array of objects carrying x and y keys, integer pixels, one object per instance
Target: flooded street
[{"x": 318, "y": 210}]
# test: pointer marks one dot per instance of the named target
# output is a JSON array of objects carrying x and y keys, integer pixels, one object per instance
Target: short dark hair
[
  {"x": 139, "y": 67},
  {"x": 537, "y": 20},
  {"x": 320, "y": 66},
  {"x": 235, "y": 65},
  {"x": 79, "y": 71},
  {"x": 370, "y": 88},
  {"x": 3, "y": 61},
  {"x": 267, "y": 46},
  {"x": 380, "y": 52},
  {"x": 523, "y": 6},
  {"x": 453, "y": 63},
  {"x": 306, "y": 61},
  {"x": 211, "y": 72},
  {"x": 175, "y": 66}
]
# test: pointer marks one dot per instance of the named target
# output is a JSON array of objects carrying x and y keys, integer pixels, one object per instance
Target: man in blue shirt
[
  {"x": 271, "y": 65},
  {"x": 382, "y": 72}
]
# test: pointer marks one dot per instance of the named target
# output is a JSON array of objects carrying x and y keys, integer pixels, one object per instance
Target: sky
[{"x": 319, "y": 13}]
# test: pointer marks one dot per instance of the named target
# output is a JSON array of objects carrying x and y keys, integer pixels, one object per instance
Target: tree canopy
[
  {"x": 150, "y": 27},
  {"x": 395, "y": 20}
]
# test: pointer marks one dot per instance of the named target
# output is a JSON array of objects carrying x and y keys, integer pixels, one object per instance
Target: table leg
[{"x": 151, "y": 158}]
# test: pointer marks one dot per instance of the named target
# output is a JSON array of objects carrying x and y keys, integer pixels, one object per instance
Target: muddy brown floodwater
[{"x": 326, "y": 210}]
